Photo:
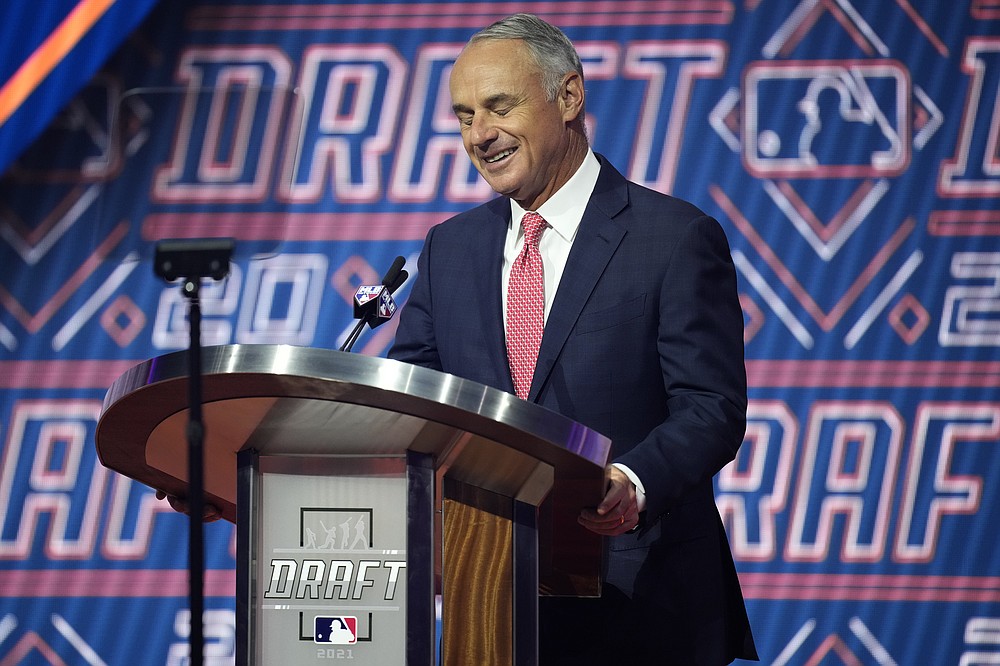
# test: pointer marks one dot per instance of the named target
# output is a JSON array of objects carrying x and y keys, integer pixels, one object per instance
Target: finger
[
  {"x": 606, "y": 522},
  {"x": 617, "y": 490},
  {"x": 609, "y": 527},
  {"x": 605, "y": 513},
  {"x": 619, "y": 521},
  {"x": 177, "y": 504},
  {"x": 210, "y": 513}
]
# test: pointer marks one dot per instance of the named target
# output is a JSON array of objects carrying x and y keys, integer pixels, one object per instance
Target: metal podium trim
[{"x": 264, "y": 392}]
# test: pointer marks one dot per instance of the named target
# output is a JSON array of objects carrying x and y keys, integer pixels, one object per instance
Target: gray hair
[{"x": 549, "y": 46}]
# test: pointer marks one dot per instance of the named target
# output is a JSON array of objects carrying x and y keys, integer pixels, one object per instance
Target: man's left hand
[{"x": 618, "y": 512}]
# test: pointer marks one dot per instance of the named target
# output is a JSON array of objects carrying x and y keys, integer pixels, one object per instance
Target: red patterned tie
[{"x": 526, "y": 306}]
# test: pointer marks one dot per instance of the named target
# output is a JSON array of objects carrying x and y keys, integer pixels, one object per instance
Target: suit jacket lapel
[
  {"x": 596, "y": 241},
  {"x": 488, "y": 294}
]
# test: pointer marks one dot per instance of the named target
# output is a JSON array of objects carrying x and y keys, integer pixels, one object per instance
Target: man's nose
[{"x": 483, "y": 131}]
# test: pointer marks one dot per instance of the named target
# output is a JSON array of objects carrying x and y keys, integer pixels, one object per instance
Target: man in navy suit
[{"x": 642, "y": 341}]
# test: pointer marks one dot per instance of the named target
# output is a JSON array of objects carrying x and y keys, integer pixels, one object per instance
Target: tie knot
[{"x": 533, "y": 225}]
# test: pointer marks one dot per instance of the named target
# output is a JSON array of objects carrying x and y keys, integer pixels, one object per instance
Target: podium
[{"x": 362, "y": 488}]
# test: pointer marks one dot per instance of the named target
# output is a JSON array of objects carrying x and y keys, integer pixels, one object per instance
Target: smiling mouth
[{"x": 499, "y": 156}]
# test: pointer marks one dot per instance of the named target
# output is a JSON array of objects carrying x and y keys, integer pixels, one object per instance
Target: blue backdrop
[{"x": 850, "y": 149}]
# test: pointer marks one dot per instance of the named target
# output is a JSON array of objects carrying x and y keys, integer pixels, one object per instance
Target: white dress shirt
[{"x": 563, "y": 212}]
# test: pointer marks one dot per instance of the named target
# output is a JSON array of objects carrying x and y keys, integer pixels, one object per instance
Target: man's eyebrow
[{"x": 490, "y": 102}]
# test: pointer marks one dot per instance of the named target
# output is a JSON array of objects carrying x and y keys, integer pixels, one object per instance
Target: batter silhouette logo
[
  {"x": 869, "y": 103},
  {"x": 335, "y": 630},
  {"x": 337, "y": 529}
]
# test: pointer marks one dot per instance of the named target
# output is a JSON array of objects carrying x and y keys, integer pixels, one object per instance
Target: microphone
[
  {"x": 373, "y": 304},
  {"x": 398, "y": 282},
  {"x": 392, "y": 275}
]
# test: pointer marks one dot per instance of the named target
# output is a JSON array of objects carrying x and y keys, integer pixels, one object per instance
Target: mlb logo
[
  {"x": 386, "y": 306},
  {"x": 335, "y": 630},
  {"x": 365, "y": 293}
]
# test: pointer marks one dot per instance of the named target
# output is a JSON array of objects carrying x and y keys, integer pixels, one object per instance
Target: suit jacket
[{"x": 644, "y": 344}]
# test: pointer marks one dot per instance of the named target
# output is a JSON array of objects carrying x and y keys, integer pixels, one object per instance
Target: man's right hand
[{"x": 209, "y": 514}]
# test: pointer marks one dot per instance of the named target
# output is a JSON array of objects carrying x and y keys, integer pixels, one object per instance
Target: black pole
[
  {"x": 192, "y": 260},
  {"x": 196, "y": 478}
]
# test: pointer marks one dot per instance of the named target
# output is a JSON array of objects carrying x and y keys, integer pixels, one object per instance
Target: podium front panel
[{"x": 331, "y": 560}]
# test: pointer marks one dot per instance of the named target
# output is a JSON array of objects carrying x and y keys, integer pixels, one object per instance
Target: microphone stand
[
  {"x": 193, "y": 261},
  {"x": 353, "y": 336}
]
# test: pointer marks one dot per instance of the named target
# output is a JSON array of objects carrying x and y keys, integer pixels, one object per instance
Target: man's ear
[{"x": 571, "y": 96}]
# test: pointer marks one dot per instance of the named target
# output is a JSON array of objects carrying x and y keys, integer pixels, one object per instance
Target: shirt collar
[{"x": 564, "y": 209}]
